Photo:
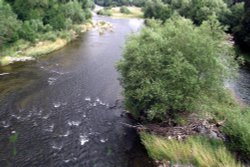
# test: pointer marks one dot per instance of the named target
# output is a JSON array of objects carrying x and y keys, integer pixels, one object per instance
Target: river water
[
  {"x": 66, "y": 107},
  {"x": 241, "y": 87}
]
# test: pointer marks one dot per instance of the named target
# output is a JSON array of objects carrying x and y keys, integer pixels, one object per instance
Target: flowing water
[
  {"x": 242, "y": 86},
  {"x": 66, "y": 107}
]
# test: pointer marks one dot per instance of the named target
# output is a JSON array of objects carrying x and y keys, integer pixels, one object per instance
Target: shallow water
[
  {"x": 242, "y": 86},
  {"x": 67, "y": 106}
]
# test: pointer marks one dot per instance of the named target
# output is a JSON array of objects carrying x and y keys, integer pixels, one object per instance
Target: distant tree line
[
  {"x": 234, "y": 14},
  {"x": 120, "y": 2},
  {"x": 27, "y": 19}
]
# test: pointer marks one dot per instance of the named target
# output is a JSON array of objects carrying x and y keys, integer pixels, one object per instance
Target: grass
[
  {"x": 135, "y": 12},
  {"x": 104, "y": 12},
  {"x": 237, "y": 128},
  {"x": 196, "y": 151},
  {"x": 204, "y": 152}
]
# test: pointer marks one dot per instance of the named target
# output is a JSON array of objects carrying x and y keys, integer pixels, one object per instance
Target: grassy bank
[
  {"x": 119, "y": 12},
  {"x": 196, "y": 151},
  {"x": 202, "y": 150},
  {"x": 24, "y": 50}
]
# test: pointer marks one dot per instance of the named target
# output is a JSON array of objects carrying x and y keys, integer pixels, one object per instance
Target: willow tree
[{"x": 172, "y": 67}]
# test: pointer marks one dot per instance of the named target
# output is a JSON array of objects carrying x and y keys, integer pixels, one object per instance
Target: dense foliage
[
  {"x": 9, "y": 25},
  {"x": 120, "y": 2},
  {"x": 157, "y": 10},
  {"x": 196, "y": 10},
  {"x": 234, "y": 14},
  {"x": 168, "y": 68},
  {"x": 242, "y": 33},
  {"x": 104, "y": 12},
  {"x": 28, "y": 20},
  {"x": 125, "y": 10}
]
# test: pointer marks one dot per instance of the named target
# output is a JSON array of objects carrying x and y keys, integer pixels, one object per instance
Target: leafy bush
[
  {"x": 234, "y": 17},
  {"x": 29, "y": 31},
  {"x": 104, "y": 12},
  {"x": 242, "y": 33},
  {"x": 196, "y": 10},
  {"x": 158, "y": 10},
  {"x": 73, "y": 11},
  {"x": 51, "y": 36},
  {"x": 27, "y": 10},
  {"x": 125, "y": 10},
  {"x": 167, "y": 68},
  {"x": 9, "y": 25},
  {"x": 200, "y": 10}
]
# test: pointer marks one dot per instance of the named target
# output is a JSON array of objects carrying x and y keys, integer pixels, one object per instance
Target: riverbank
[
  {"x": 216, "y": 135},
  {"x": 26, "y": 51},
  {"x": 120, "y": 12}
]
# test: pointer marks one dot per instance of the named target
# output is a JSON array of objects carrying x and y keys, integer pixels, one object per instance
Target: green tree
[
  {"x": 242, "y": 32},
  {"x": 169, "y": 68},
  {"x": 9, "y": 25},
  {"x": 234, "y": 17},
  {"x": 158, "y": 10},
  {"x": 74, "y": 11},
  {"x": 30, "y": 9}
]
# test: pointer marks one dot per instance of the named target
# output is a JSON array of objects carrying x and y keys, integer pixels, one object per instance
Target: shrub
[
  {"x": 9, "y": 25},
  {"x": 168, "y": 68},
  {"x": 51, "y": 36},
  {"x": 234, "y": 17},
  {"x": 196, "y": 10},
  {"x": 158, "y": 10},
  {"x": 242, "y": 32},
  {"x": 125, "y": 10},
  {"x": 28, "y": 31},
  {"x": 104, "y": 12},
  {"x": 74, "y": 11}
]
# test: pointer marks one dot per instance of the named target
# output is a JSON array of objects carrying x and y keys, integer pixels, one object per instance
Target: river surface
[
  {"x": 66, "y": 107},
  {"x": 242, "y": 86}
]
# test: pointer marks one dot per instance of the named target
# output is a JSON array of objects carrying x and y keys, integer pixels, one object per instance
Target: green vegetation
[
  {"x": 197, "y": 151},
  {"x": 179, "y": 63},
  {"x": 125, "y": 10},
  {"x": 25, "y": 23},
  {"x": 196, "y": 10},
  {"x": 184, "y": 63},
  {"x": 104, "y": 12},
  {"x": 138, "y": 3},
  {"x": 158, "y": 10},
  {"x": 13, "y": 139},
  {"x": 234, "y": 14},
  {"x": 121, "y": 12},
  {"x": 242, "y": 32},
  {"x": 237, "y": 129}
]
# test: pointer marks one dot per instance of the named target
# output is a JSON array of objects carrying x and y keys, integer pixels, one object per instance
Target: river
[
  {"x": 241, "y": 87},
  {"x": 66, "y": 107}
]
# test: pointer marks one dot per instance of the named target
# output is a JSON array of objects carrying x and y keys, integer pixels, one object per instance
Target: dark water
[
  {"x": 243, "y": 85},
  {"x": 67, "y": 109}
]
